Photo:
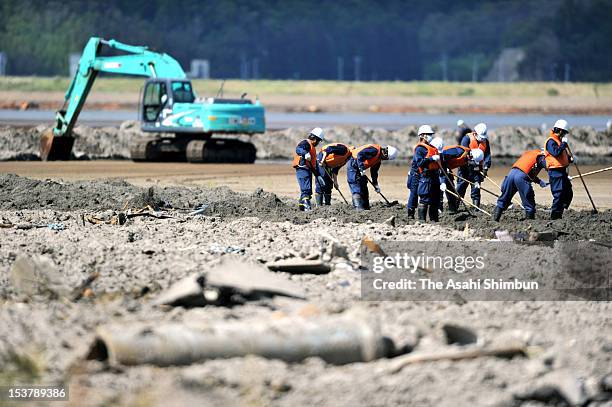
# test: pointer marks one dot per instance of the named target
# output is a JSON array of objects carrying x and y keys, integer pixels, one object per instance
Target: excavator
[{"x": 181, "y": 124}]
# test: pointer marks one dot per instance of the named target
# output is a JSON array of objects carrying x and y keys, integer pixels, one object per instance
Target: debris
[
  {"x": 36, "y": 275},
  {"x": 56, "y": 226},
  {"x": 456, "y": 354},
  {"x": 115, "y": 219},
  {"x": 390, "y": 221},
  {"x": 503, "y": 235},
  {"x": 84, "y": 290},
  {"x": 199, "y": 210},
  {"x": 547, "y": 236},
  {"x": 337, "y": 340},
  {"x": 459, "y": 335},
  {"x": 229, "y": 282},
  {"x": 216, "y": 249},
  {"x": 300, "y": 266},
  {"x": 555, "y": 388},
  {"x": 372, "y": 246}
]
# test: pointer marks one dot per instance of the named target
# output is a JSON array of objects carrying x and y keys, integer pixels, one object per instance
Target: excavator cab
[{"x": 160, "y": 94}]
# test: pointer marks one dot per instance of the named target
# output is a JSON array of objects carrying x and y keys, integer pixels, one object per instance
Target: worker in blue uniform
[
  {"x": 426, "y": 158},
  {"x": 524, "y": 172},
  {"x": 558, "y": 158},
  {"x": 305, "y": 164},
  {"x": 477, "y": 139},
  {"x": 369, "y": 156}
]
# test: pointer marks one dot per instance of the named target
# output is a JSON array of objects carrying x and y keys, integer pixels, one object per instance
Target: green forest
[{"x": 456, "y": 40}]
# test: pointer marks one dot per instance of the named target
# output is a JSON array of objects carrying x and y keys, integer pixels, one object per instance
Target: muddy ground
[
  {"x": 22, "y": 143},
  {"x": 45, "y": 339}
]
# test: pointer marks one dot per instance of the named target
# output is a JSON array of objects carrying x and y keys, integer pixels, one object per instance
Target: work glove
[
  {"x": 443, "y": 187},
  {"x": 435, "y": 157},
  {"x": 307, "y": 156},
  {"x": 484, "y": 172},
  {"x": 564, "y": 139},
  {"x": 362, "y": 173},
  {"x": 477, "y": 185},
  {"x": 377, "y": 188},
  {"x": 574, "y": 159},
  {"x": 543, "y": 184},
  {"x": 321, "y": 180}
]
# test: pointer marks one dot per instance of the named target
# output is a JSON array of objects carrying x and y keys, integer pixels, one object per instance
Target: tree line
[{"x": 316, "y": 39}]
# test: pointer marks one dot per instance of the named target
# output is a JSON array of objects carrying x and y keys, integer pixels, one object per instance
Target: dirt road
[{"x": 274, "y": 177}]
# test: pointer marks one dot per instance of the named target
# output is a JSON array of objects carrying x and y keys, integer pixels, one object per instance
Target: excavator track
[
  {"x": 220, "y": 151},
  {"x": 143, "y": 151},
  {"x": 193, "y": 151}
]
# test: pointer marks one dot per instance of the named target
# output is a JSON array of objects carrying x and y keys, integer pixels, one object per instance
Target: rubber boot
[
  {"x": 497, "y": 213},
  {"x": 556, "y": 215},
  {"x": 452, "y": 206},
  {"x": 319, "y": 199},
  {"x": 305, "y": 204},
  {"x": 410, "y": 212},
  {"x": 358, "y": 202},
  {"x": 529, "y": 215},
  {"x": 327, "y": 199},
  {"x": 422, "y": 210},
  {"x": 433, "y": 213}
]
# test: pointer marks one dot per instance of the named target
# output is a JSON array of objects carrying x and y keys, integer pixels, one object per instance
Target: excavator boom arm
[{"x": 138, "y": 61}]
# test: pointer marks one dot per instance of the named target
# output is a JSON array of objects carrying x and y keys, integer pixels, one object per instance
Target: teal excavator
[{"x": 184, "y": 127}]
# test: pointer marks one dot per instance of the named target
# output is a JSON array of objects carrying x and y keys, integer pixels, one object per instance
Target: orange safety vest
[
  {"x": 528, "y": 161},
  {"x": 477, "y": 144},
  {"x": 312, "y": 164},
  {"x": 562, "y": 161},
  {"x": 334, "y": 160},
  {"x": 370, "y": 162},
  {"x": 431, "y": 151},
  {"x": 457, "y": 162}
]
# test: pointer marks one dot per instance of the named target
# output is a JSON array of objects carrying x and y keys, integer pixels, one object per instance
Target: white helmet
[
  {"x": 561, "y": 124},
  {"x": 318, "y": 133},
  {"x": 460, "y": 123},
  {"x": 426, "y": 129},
  {"x": 477, "y": 155},
  {"x": 437, "y": 142},
  {"x": 392, "y": 153},
  {"x": 481, "y": 131}
]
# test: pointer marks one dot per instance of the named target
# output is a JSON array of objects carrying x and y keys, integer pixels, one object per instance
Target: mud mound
[
  {"x": 114, "y": 143},
  {"x": 23, "y": 193},
  {"x": 575, "y": 225}
]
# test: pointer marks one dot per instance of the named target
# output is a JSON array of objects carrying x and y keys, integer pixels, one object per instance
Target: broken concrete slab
[
  {"x": 37, "y": 275},
  {"x": 232, "y": 276},
  {"x": 300, "y": 266},
  {"x": 337, "y": 340}
]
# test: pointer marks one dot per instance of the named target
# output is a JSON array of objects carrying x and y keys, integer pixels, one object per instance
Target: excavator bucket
[{"x": 55, "y": 148}]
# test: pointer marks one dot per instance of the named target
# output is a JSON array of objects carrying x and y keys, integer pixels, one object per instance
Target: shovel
[
  {"x": 594, "y": 211},
  {"x": 337, "y": 189},
  {"x": 380, "y": 193},
  {"x": 456, "y": 195}
]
